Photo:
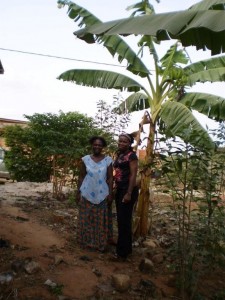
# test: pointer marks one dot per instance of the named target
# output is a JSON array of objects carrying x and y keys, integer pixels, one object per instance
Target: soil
[{"x": 37, "y": 228}]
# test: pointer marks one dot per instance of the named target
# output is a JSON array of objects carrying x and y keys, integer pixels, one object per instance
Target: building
[
  {"x": 141, "y": 153},
  {"x": 7, "y": 122}
]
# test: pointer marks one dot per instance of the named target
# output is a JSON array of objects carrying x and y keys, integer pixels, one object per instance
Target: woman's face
[
  {"x": 97, "y": 146},
  {"x": 123, "y": 143}
]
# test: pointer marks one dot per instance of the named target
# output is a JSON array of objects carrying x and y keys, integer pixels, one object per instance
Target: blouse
[
  {"x": 94, "y": 187},
  {"x": 122, "y": 169}
]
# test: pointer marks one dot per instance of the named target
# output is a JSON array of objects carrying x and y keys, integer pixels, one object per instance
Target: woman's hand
[
  {"x": 109, "y": 200},
  {"x": 78, "y": 197},
  {"x": 126, "y": 198}
]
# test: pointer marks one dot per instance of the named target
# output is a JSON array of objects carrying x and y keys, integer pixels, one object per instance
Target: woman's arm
[
  {"x": 82, "y": 174},
  {"x": 110, "y": 182},
  {"x": 132, "y": 180}
]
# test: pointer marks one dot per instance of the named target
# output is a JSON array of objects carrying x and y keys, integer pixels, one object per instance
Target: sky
[{"x": 30, "y": 85}]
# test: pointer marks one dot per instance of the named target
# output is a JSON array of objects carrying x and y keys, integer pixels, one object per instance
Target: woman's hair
[
  {"x": 94, "y": 138},
  {"x": 128, "y": 136}
]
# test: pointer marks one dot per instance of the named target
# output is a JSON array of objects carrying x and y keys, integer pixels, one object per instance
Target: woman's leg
[
  {"x": 110, "y": 226},
  {"x": 124, "y": 219},
  {"x": 93, "y": 227}
]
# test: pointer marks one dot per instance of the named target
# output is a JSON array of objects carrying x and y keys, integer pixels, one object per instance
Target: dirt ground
[{"x": 40, "y": 232}]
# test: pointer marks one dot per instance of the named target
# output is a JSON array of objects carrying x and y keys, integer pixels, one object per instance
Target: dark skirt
[{"x": 95, "y": 227}]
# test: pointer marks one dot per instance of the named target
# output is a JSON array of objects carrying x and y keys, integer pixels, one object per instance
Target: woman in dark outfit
[{"x": 126, "y": 167}]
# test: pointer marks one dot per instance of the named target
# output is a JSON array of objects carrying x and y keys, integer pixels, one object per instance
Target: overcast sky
[{"x": 29, "y": 84}]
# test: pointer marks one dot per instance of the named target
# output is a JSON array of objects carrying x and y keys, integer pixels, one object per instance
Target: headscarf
[{"x": 128, "y": 136}]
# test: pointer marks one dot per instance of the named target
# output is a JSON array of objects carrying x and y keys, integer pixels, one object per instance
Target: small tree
[
  {"x": 194, "y": 178},
  {"x": 50, "y": 146},
  {"x": 24, "y": 161},
  {"x": 108, "y": 119}
]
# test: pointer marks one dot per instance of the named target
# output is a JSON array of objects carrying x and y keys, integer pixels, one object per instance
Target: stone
[
  {"x": 105, "y": 287},
  {"x": 62, "y": 297},
  {"x": 143, "y": 252},
  {"x": 146, "y": 265},
  {"x": 149, "y": 244},
  {"x": 58, "y": 259},
  {"x": 121, "y": 282},
  {"x": 17, "y": 265},
  {"x": 50, "y": 283},
  {"x": 97, "y": 272},
  {"x": 6, "y": 277},
  {"x": 158, "y": 258},
  {"x": 31, "y": 267}
]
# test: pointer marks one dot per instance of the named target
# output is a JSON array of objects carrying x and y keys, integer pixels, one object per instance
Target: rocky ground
[{"x": 40, "y": 260}]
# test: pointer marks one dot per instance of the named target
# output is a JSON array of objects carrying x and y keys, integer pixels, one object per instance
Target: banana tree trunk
[
  {"x": 137, "y": 134},
  {"x": 142, "y": 213}
]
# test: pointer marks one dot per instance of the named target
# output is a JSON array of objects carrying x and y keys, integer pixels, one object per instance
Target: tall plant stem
[{"x": 144, "y": 198}]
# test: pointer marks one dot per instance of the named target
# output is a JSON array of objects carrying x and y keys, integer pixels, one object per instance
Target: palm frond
[
  {"x": 115, "y": 44},
  {"x": 209, "y": 4},
  {"x": 179, "y": 121},
  {"x": 210, "y": 105},
  {"x": 211, "y": 70},
  {"x": 101, "y": 79},
  {"x": 204, "y": 29},
  {"x": 170, "y": 63},
  {"x": 173, "y": 57},
  {"x": 135, "y": 102}
]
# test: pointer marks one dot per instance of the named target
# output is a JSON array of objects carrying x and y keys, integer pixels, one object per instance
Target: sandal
[{"x": 115, "y": 257}]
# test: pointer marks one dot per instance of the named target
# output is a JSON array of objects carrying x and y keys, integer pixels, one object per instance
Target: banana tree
[
  {"x": 163, "y": 94},
  {"x": 202, "y": 25}
]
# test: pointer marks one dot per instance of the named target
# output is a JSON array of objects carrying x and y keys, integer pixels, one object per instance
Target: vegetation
[
  {"x": 195, "y": 180},
  {"x": 201, "y": 25},
  {"x": 50, "y": 146},
  {"x": 24, "y": 161},
  {"x": 106, "y": 117},
  {"x": 164, "y": 97}
]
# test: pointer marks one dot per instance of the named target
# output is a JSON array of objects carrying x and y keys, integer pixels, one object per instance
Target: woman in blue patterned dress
[{"x": 95, "y": 198}]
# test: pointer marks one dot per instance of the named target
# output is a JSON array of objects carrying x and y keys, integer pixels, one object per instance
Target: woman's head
[
  {"x": 125, "y": 141},
  {"x": 97, "y": 143}
]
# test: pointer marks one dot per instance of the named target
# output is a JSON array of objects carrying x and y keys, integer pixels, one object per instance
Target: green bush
[{"x": 50, "y": 145}]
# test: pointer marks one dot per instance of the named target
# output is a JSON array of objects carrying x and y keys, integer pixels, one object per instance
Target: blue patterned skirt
[{"x": 95, "y": 228}]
